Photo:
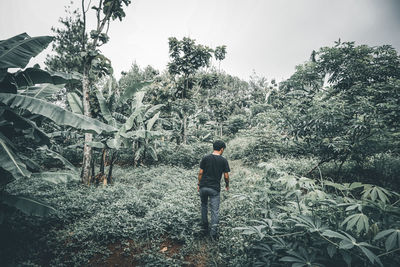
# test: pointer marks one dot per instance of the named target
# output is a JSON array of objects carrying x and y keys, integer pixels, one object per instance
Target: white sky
[{"x": 269, "y": 37}]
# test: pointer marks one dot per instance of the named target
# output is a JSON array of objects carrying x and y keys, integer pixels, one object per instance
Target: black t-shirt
[{"x": 213, "y": 166}]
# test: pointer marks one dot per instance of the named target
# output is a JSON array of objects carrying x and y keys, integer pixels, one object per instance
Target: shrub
[{"x": 183, "y": 155}]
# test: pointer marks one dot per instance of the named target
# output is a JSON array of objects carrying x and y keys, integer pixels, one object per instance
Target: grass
[{"x": 149, "y": 216}]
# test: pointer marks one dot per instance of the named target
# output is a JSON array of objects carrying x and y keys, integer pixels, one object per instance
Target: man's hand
[
  {"x": 227, "y": 188},
  {"x": 198, "y": 188}
]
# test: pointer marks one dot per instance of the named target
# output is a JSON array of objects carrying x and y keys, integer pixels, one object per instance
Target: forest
[{"x": 100, "y": 171}]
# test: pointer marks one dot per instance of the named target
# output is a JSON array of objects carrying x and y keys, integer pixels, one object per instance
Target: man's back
[{"x": 213, "y": 166}]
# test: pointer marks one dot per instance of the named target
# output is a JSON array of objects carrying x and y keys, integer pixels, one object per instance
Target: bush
[
  {"x": 185, "y": 156},
  {"x": 236, "y": 123}
]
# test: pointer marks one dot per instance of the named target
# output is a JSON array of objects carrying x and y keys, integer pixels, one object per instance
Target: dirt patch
[
  {"x": 121, "y": 254},
  {"x": 198, "y": 259},
  {"x": 170, "y": 247}
]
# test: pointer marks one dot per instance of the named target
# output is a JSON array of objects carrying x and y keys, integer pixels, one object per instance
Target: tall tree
[
  {"x": 352, "y": 116},
  {"x": 106, "y": 10},
  {"x": 219, "y": 54},
  {"x": 67, "y": 44},
  {"x": 187, "y": 58}
]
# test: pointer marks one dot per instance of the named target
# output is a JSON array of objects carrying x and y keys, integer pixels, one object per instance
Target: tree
[
  {"x": 24, "y": 106},
  {"x": 220, "y": 53},
  {"x": 106, "y": 11},
  {"x": 352, "y": 116},
  {"x": 67, "y": 44},
  {"x": 187, "y": 58}
]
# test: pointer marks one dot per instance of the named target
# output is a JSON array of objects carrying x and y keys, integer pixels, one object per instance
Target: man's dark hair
[{"x": 217, "y": 145}]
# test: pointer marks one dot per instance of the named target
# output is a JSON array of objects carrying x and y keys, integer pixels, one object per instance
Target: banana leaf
[
  {"x": 18, "y": 50},
  {"x": 57, "y": 177},
  {"x": 32, "y": 76},
  {"x": 18, "y": 125},
  {"x": 55, "y": 155},
  {"x": 42, "y": 91},
  {"x": 55, "y": 113},
  {"x": 27, "y": 205},
  {"x": 10, "y": 161},
  {"x": 75, "y": 102},
  {"x": 132, "y": 90},
  {"x": 3, "y": 73},
  {"x": 105, "y": 112},
  {"x": 151, "y": 110},
  {"x": 150, "y": 123}
]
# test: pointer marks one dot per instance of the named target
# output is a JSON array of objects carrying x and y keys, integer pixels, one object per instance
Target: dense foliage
[{"x": 315, "y": 159}]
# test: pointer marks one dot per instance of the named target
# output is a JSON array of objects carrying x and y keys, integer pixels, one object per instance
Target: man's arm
[
  {"x": 199, "y": 177},
  {"x": 226, "y": 177}
]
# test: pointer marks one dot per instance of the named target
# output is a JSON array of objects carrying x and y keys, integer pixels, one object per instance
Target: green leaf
[
  {"x": 10, "y": 161},
  {"x": 151, "y": 122},
  {"x": 130, "y": 91},
  {"x": 291, "y": 259},
  {"x": 331, "y": 250},
  {"x": 153, "y": 153},
  {"x": 346, "y": 244},
  {"x": 373, "y": 192},
  {"x": 392, "y": 240},
  {"x": 371, "y": 256},
  {"x": 18, "y": 50},
  {"x": 19, "y": 125},
  {"x": 330, "y": 233},
  {"x": 32, "y": 76},
  {"x": 131, "y": 120},
  {"x": 55, "y": 113},
  {"x": 55, "y": 155},
  {"x": 57, "y": 177},
  {"x": 3, "y": 74},
  {"x": 28, "y": 206},
  {"x": 105, "y": 112},
  {"x": 75, "y": 103},
  {"x": 96, "y": 144},
  {"x": 383, "y": 233},
  {"x": 151, "y": 110},
  {"x": 359, "y": 220},
  {"x": 42, "y": 91}
]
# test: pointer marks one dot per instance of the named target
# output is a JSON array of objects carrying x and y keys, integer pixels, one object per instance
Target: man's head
[{"x": 219, "y": 146}]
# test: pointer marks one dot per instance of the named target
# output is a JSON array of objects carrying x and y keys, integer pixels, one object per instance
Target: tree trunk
[
  {"x": 103, "y": 160},
  {"x": 184, "y": 137},
  {"x": 86, "y": 174},
  {"x": 109, "y": 176}
]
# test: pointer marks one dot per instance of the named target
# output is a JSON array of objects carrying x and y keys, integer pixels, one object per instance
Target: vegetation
[{"x": 315, "y": 159}]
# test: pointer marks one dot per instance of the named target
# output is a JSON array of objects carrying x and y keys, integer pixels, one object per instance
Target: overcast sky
[{"x": 265, "y": 36}]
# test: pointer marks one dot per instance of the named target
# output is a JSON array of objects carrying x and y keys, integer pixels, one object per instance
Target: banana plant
[
  {"x": 136, "y": 131},
  {"x": 25, "y": 98}
]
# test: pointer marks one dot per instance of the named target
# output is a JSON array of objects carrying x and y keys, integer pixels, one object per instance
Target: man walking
[{"x": 212, "y": 167}]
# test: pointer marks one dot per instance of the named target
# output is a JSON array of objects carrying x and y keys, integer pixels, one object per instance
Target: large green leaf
[
  {"x": 153, "y": 120},
  {"x": 105, "y": 112},
  {"x": 130, "y": 91},
  {"x": 55, "y": 113},
  {"x": 131, "y": 120},
  {"x": 42, "y": 91},
  {"x": 57, "y": 177},
  {"x": 10, "y": 161},
  {"x": 32, "y": 76},
  {"x": 18, "y": 125},
  {"x": 18, "y": 50},
  {"x": 75, "y": 102},
  {"x": 151, "y": 111},
  {"x": 55, "y": 155},
  {"x": 28, "y": 206},
  {"x": 3, "y": 73}
]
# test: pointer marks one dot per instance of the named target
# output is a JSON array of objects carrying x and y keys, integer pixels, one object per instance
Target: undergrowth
[{"x": 272, "y": 216}]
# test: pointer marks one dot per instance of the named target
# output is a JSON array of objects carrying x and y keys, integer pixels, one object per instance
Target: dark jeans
[{"x": 214, "y": 196}]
